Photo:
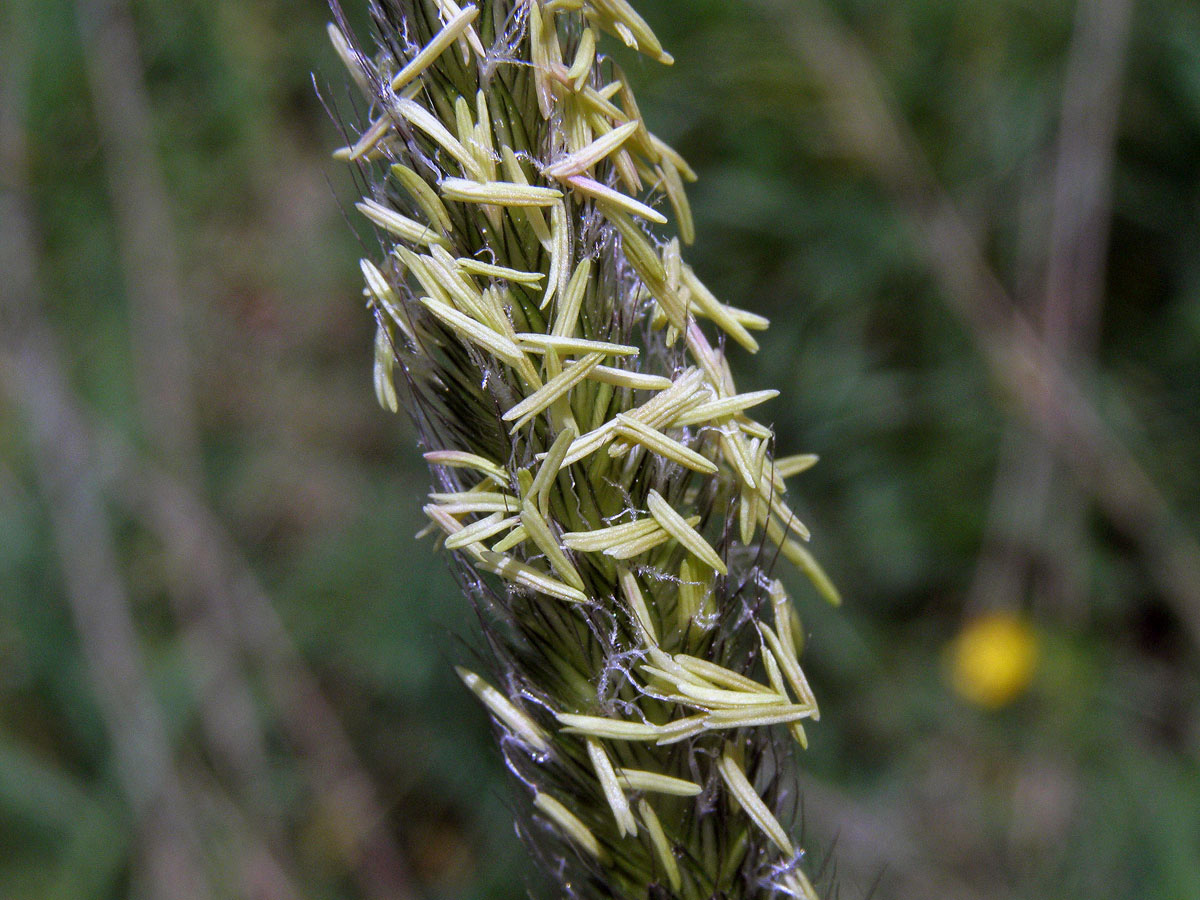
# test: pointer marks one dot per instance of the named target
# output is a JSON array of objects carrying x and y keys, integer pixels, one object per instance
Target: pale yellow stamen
[
  {"x": 734, "y": 451},
  {"x": 585, "y": 55},
  {"x": 637, "y": 547},
  {"x": 682, "y": 729},
  {"x": 772, "y": 666},
  {"x": 637, "y": 602},
  {"x": 550, "y": 467},
  {"x": 476, "y": 501},
  {"x": 716, "y": 410},
  {"x": 425, "y": 197},
  {"x": 735, "y": 779},
  {"x": 788, "y": 466},
  {"x": 679, "y": 529},
  {"x": 463, "y": 291},
  {"x": 400, "y": 225},
  {"x": 475, "y": 267},
  {"x": 602, "y": 538},
  {"x": 503, "y": 709},
  {"x": 436, "y": 46},
  {"x": 369, "y": 139},
  {"x": 645, "y": 261},
  {"x": 673, "y": 185},
  {"x": 500, "y": 193},
  {"x": 796, "y": 884},
  {"x": 429, "y": 279},
  {"x": 614, "y": 199},
  {"x": 566, "y": 316},
  {"x": 610, "y": 729},
  {"x": 791, "y": 668},
  {"x": 757, "y": 716},
  {"x": 476, "y": 332},
  {"x": 515, "y": 537},
  {"x": 560, "y": 254},
  {"x": 449, "y": 7},
  {"x": 539, "y": 532},
  {"x": 747, "y": 515},
  {"x": 570, "y": 825},
  {"x": 653, "y": 782},
  {"x": 583, "y": 159},
  {"x": 620, "y": 16},
  {"x": 587, "y": 444},
  {"x": 532, "y": 342},
  {"x": 783, "y": 514},
  {"x": 350, "y": 59},
  {"x": 607, "y": 777},
  {"x": 716, "y": 698},
  {"x": 527, "y": 576},
  {"x": 482, "y": 138},
  {"x": 719, "y": 674},
  {"x": 537, "y": 221},
  {"x": 424, "y": 120},
  {"x": 553, "y": 390},
  {"x": 662, "y": 847},
  {"x": 636, "y": 381},
  {"x": 379, "y": 288},
  {"x": 480, "y": 531},
  {"x": 711, "y": 307},
  {"x": 385, "y": 362},
  {"x": 659, "y": 443},
  {"x": 538, "y": 51}
]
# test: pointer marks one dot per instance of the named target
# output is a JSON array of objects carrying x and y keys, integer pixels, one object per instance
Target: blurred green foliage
[{"x": 1089, "y": 786}]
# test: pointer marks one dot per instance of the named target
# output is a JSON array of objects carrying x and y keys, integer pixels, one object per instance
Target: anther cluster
[{"x": 612, "y": 509}]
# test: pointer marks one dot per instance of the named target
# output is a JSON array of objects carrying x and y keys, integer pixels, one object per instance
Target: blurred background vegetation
[{"x": 225, "y": 663}]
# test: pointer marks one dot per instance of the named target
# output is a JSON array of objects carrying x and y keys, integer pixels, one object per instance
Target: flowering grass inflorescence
[{"x": 612, "y": 508}]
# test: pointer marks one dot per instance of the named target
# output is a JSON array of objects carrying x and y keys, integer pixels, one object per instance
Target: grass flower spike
[{"x": 612, "y": 509}]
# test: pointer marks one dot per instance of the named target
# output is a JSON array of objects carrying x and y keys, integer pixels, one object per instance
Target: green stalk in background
[{"x": 612, "y": 510}]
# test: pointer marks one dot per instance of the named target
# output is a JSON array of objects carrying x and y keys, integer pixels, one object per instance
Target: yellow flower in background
[{"x": 992, "y": 661}]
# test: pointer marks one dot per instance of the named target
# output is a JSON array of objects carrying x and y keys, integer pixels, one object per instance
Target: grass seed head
[{"x": 597, "y": 468}]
